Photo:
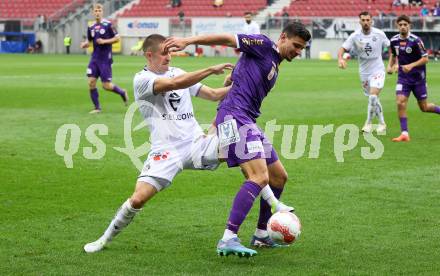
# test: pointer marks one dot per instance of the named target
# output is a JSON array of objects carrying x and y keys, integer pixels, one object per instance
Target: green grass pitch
[{"x": 359, "y": 217}]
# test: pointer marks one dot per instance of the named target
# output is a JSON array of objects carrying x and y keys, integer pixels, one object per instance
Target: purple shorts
[
  {"x": 97, "y": 69},
  {"x": 241, "y": 140},
  {"x": 419, "y": 90}
]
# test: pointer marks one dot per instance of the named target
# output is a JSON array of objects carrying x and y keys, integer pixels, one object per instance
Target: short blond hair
[{"x": 96, "y": 5}]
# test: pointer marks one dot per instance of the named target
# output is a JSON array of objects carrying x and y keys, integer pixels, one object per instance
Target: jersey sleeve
[
  {"x": 112, "y": 30},
  {"x": 257, "y": 45},
  {"x": 194, "y": 90},
  {"x": 143, "y": 86},
  {"x": 89, "y": 34},
  {"x": 421, "y": 48},
  {"x": 348, "y": 44},
  {"x": 385, "y": 41}
]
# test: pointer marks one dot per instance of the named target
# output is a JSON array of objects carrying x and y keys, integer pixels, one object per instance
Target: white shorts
[
  {"x": 164, "y": 163},
  {"x": 376, "y": 80}
]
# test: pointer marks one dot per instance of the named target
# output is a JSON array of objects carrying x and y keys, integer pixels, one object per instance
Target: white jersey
[
  {"x": 169, "y": 116},
  {"x": 252, "y": 28},
  {"x": 368, "y": 49}
]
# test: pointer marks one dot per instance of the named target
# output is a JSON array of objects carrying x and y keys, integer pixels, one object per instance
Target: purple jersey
[
  {"x": 254, "y": 75},
  {"x": 409, "y": 50},
  {"x": 104, "y": 30}
]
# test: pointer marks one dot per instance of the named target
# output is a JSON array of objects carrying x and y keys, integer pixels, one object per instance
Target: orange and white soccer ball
[{"x": 284, "y": 227}]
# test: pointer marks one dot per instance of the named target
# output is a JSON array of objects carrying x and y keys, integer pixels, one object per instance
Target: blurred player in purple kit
[
  {"x": 240, "y": 138},
  {"x": 103, "y": 36},
  {"x": 409, "y": 51}
]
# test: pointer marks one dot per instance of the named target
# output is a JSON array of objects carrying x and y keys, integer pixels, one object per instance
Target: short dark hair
[
  {"x": 403, "y": 17},
  {"x": 247, "y": 12},
  {"x": 151, "y": 42},
  {"x": 297, "y": 29},
  {"x": 364, "y": 13}
]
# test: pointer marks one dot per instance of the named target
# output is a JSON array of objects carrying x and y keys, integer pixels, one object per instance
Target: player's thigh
[
  {"x": 202, "y": 153},
  {"x": 376, "y": 83},
  {"x": 93, "y": 70},
  {"x": 277, "y": 174},
  {"x": 240, "y": 140},
  {"x": 403, "y": 91},
  {"x": 420, "y": 91},
  {"x": 256, "y": 171},
  {"x": 161, "y": 164},
  {"x": 105, "y": 72}
]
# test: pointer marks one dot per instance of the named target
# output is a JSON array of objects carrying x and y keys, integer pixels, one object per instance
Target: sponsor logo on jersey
[
  {"x": 368, "y": 49},
  {"x": 250, "y": 41},
  {"x": 177, "y": 117},
  {"x": 174, "y": 100}
]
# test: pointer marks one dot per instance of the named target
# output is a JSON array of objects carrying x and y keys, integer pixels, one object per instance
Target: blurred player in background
[
  {"x": 103, "y": 36},
  {"x": 409, "y": 51},
  {"x": 368, "y": 42},
  {"x": 163, "y": 94},
  {"x": 250, "y": 27},
  {"x": 243, "y": 143}
]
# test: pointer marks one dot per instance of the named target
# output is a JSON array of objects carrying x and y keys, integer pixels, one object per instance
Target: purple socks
[
  {"x": 437, "y": 109},
  {"x": 265, "y": 209},
  {"x": 242, "y": 204},
  {"x": 403, "y": 124},
  {"x": 119, "y": 91},
  {"x": 94, "y": 96}
]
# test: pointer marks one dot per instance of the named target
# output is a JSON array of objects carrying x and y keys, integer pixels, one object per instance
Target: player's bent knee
[
  {"x": 279, "y": 180},
  {"x": 107, "y": 86},
  {"x": 261, "y": 179}
]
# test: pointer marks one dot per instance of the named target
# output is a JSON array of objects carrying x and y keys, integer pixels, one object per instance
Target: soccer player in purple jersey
[
  {"x": 103, "y": 36},
  {"x": 409, "y": 51},
  {"x": 240, "y": 138}
]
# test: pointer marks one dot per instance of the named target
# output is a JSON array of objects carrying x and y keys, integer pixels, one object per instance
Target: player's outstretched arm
[
  {"x": 174, "y": 44},
  {"x": 341, "y": 61},
  {"x": 392, "y": 63},
  {"x": 213, "y": 94},
  {"x": 164, "y": 85}
]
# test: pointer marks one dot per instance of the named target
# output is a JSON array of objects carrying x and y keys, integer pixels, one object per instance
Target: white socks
[
  {"x": 267, "y": 194},
  {"x": 375, "y": 109},
  {"x": 122, "y": 218},
  {"x": 372, "y": 100},
  {"x": 260, "y": 233},
  {"x": 228, "y": 234},
  {"x": 379, "y": 112}
]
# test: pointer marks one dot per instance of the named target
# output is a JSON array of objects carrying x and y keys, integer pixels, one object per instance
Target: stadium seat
[{"x": 193, "y": 8}]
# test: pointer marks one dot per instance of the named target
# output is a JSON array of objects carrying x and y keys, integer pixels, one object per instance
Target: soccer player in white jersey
[
  {"x": 251, "y": 27},
  {"x": 368, "y": 42},
  {"x": 163, "y": 94}
]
